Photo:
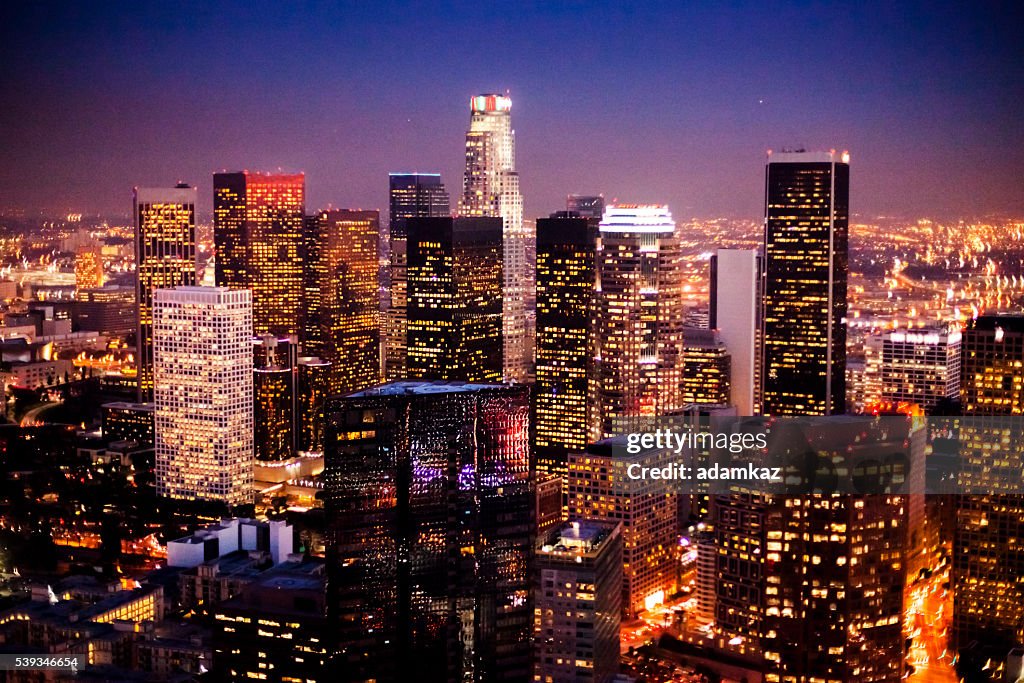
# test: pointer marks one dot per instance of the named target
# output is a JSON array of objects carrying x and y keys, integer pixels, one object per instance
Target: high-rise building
[
  {"x": 601, "y": 491},
  {"x": 706, "y": 368},
  {"x": 735, "y": 312},
  {"x": 165, "y": 257},
  {"x": 88, "y": 267},
  {"x": 202, "y": 379},
  {"x": 638, "y": 317},
  {"x": 349, "y": 298},
  {"x": 566, "y": 278},
  {"x": 311, "y": 393},
  {"x": 412, "y": 195},
  {"x": 429, "y": 504},
  {"x": 578, "y": 603},
  {"x": 454, "y": 306},
  {"x": 258, "y": 233},
  {"x": 920, "y": 366},
  {"x": 312, "y": 336},
  {"x": 807, "y": 199},
  {"x": 274, "y": 368},
  {"x": 988, "y": 593},
  {"x": 585, "y": 206},
  {"x": 491, "y": 188}
]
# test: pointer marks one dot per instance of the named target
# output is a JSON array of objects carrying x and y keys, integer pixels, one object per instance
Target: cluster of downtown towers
[{"x": 505, "y": 350}]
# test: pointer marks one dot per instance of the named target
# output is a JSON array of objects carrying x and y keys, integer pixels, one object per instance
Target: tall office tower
[
  {"x": 805, "y": 239},
  {"x": 311, "y": 338},
  {"x": 921, "y": 366},
  {"x": 454, "y": 299},
  {"x": 585, "y": 206},
  {"x": 349, "y": 298},
  {"x": 988, "y": 565},
  {"x": 88, "y": 267},
  {"x": 429, "y": 504},
  {"x": 578, "y": 603},
  {"x": 566, "y": 278},
  {"x": 735, "y": 312},
  {"x": 491, "y": 188},
  {"x": 639, "y": 317},
  {"x": 165, "y": 257},
  {"x": 601, "y": 491},
  {"x": 202, "y": 379},
  {"x": 412, "y": 195},
  {"x": 811, "y": 587},
  {"x": 258, "y": 233},
  {"x": 706, "y": 368},
  {"x": 274, "y": 370},
  {"x": 310, "y": 396}
]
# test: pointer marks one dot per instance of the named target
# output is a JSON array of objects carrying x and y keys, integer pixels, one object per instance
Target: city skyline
[{"x": 685, "y": 126}]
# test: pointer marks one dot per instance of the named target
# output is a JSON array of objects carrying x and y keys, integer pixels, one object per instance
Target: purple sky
[{"x": 654, "y": 103}]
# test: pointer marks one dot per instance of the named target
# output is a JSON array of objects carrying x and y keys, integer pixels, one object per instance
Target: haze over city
[{"x": 643, "y": 103}]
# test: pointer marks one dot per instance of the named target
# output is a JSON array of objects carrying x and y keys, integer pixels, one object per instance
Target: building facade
[
  {"x": 807, "y": 198},
  {"x": 735, "y": 312},
  {"x": 258, "y": 235},
  {"x": 165, "y": 257},
  {"x": 202, "y": 374},
  {"x": 491, "y": 188},
  {"x": 707, "y": 368},
  {"x": 429, "y": 504}
]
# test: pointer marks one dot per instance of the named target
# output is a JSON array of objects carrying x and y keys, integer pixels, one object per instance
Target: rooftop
[{"x": 423, "y": 387}]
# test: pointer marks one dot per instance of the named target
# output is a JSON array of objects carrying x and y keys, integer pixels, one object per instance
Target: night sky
[{"x": 651, "y": 103}]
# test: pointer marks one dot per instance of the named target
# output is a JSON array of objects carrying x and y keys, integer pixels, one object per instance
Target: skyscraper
[
  {"x": 412, "y": 195},
  {"x": 706, "y": 368},
  {"x": 491, "y": 188},
  {"x": 311, "y": 338},
  {"x": 258, "y": 234},
  {"x": 454, "y": 307},
  {"x": 639, "y": 317},
  {"x": 311, "y": 394},
  {"x": 349, "y": 298},
  {"x": 578, "y": 603},
  {"x": 274, "y": 368},
  {"x": 202, "y": 378},
  {"x": 735, "y": 312},
  {"x": 601, "y": 491},
  {"x": 429, "y": 507},
  {"x": 988, "y": 593},
  {"x": 805, "y": 237},
  {"x": 920, "y": 366},
  {"x": 566, "y": 277},
  {"x": 165, "y": 257}
]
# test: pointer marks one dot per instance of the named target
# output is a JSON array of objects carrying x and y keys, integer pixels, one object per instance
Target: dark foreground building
[{"x": 430, "y": 532}]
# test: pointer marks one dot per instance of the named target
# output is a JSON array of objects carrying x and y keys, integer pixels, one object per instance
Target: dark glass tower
[
  {"x": 430, "y": 532},
  {"x": 257, "y": 230},
  {"x": 455, "y": 293},
  {"x": 165, "y": 257},
  {"x": 411, "y": 195},
  {"x": 566, "y": 277},
  {"x": 805, "y": 237},
  {"x": 274, "y": 366}
]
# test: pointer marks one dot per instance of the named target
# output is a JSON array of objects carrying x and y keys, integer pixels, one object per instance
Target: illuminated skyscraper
[
  {"x": 585, "y": 206},
  {"x": 312, "y": 336},
  {"x": 349, "y": 298},
  {"x": 274, "y": 368},
  {"x": 412, "y": 195},
  {"x": 639, "y": 317},
  {"x": 165, "y": 257},
  {"x": 706, "y": 368},
  {"x": 202, "y": 376},
  {"x": 920, "y": 366},
  {"x": 454, "y": 307},
  {"x": 88, "y": 267},
  {"x": 600, "y": 490},
  {"x": 988, "y": 563},
  {"x": 311, "y": 394},
  {"x": 804, "y": 329},
  {"x": 257, "y": 229},
  {"x": 735, "y": 312},
  {"x": 578, "y": 603},
  {"x": 491, "y": 188},
  {"x": 566, "y": 276},
  {"x": 430, "y": 540}
]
